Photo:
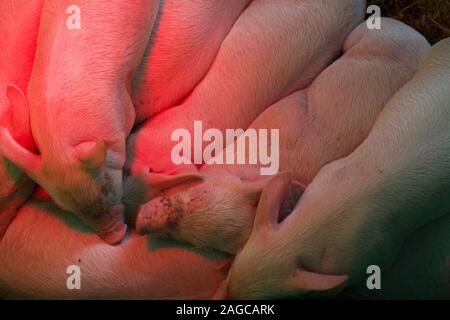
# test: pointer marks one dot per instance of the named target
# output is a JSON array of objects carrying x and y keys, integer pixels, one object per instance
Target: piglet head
[
  {"x": 145, "y": 185},
  {"x": 15, "y": 189},
  {"x": 81, "y": 179},
  {"x": 269, "y": 264},
  {"x": 216, "y": 212},
  {"x": 92, "y": 190}
]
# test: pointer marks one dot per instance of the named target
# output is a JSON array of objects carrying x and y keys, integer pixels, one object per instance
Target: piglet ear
[
  {"x": 306, "y": 281},
  {"x": 162, "y": 181},
  {"x": 92, "y": 153},
  {"x": 19, "y": 117},
  {"x": 19, "y": 109},
  {"x": 187, "y": 167},
  {"x": 273, "y": 195},
  {"x": 254, "y": 188},
  {"x": 42, "y": 195}
]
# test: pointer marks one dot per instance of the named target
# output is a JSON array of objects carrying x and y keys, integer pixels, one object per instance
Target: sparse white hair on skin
[
  {"x": 359, "y": 210},
  {"x": 182, "y": 48},
  {"x": 34, "y": 263},
  {"x": 274, "y": 49}
]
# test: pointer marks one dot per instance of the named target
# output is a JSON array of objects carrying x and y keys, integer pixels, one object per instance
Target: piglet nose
[{"x": 151, "y": 217}]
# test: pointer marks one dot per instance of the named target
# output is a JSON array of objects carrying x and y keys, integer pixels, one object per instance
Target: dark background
[{"x": 430, "y": 17}]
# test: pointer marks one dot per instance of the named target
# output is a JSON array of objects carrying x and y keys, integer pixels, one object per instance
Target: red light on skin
[{"x": 41, "y": 194}]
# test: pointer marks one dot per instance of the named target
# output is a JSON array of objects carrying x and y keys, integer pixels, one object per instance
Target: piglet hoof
[{"x": 115, "y": 235}]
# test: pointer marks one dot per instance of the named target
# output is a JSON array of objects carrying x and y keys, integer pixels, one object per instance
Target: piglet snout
[
  {"x": 152, "y": 217},
  {"x": 115, "y": 235}
]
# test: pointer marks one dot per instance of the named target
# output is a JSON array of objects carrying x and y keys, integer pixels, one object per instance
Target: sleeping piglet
[
  {"x": 359, "y": 210},
  {"x": 80, "y": 106},
  {"x": 316, "y": 126},
  {"x": 183, "y": 45},
  {"x": 274, "y": 49},
  {"x": 35, "y": 264},
  {"x": 19, "y": 24}
]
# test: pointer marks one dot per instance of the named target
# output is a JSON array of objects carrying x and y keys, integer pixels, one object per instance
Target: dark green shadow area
[
  {"x": 155, "y": 242},
  {"x": 158, "y": 242}
]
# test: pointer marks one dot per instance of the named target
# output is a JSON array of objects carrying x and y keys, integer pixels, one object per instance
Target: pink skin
[
  {"x": 19, "y": 22},
  {"x": 43, "y": 241},
  {"x": 179, "y": 55},
  {"x": 82, "y": 112},
  {"x": 184, "y": 43},
  {"x": 359, "y": 210},
  {"x": 153, "y": 184},
  {"x": 262, "y": 60},
  {"x": 318, "y": 125}
]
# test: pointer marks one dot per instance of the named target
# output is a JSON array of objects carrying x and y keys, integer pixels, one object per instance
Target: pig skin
[
  {"x": 19, "y": 23},
  {"x": 80, "y": 107},
  {"x": 421, "y": 270},
  {"x": 258, "y": 64},
  {"x": 324, "y": 123},
  {"x": 183, "y": 45},
  {"x": 358, "y": 210},
  {"x": 34, "y": 263}
]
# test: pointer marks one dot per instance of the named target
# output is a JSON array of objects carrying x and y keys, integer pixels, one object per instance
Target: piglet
[
  {"x": 274, "y": 49},
  {"x": 316, "y": 126},
  {"x": 80, "y": 106},
  {"x": 43, "y": 265},
  {"x": 420, "y": 271},
  {"x": 359, "y": 210},
  {"x": 183, "y": 45},
  {"x": 19, "y": 24}
]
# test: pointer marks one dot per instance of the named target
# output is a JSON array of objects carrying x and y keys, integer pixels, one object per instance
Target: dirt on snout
[
  {"x": 430, "y": 17},
  {"x": 175, "y": 213}
]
